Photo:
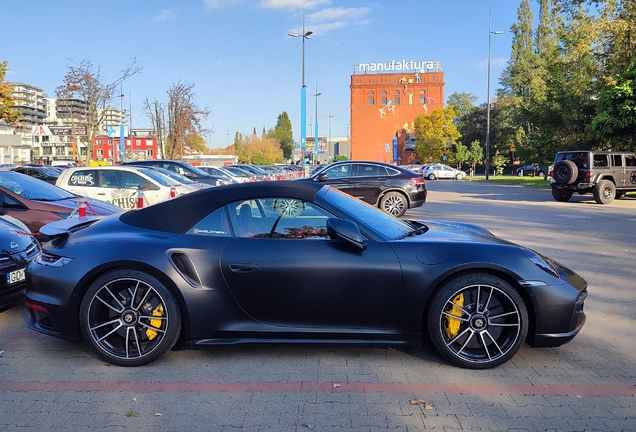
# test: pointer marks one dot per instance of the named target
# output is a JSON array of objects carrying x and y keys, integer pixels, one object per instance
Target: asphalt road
[{"x": 588, "y": 384}]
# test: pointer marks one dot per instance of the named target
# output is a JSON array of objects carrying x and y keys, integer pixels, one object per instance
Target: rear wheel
[
  {"x": 394, "y": 203},
  {"x": 129, "y": 318},
  {"x": 477, "y": 321},
  {"x": 561, "y": 194},
  {"x": 604, "y": 192},
  {"x": 431, "y": 176}
]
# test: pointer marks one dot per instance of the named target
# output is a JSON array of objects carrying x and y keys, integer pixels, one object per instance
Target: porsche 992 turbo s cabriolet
[{"x": 294, "y": 261}]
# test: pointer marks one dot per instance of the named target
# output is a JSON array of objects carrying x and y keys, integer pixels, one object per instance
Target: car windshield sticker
[{"x": 82, "y": 179}]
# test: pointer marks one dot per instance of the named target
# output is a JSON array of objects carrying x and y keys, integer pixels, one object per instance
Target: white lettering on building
[{"x": 397, "y": 66}]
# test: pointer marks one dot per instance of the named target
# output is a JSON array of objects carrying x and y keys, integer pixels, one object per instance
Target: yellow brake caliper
[
  {"x": 156, "y": 323},
  {"x": 452, "y": 324}
]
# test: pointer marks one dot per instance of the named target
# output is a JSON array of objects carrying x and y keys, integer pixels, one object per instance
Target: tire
[
  {"x": 565, "y": 172},
  {"x": 604, "y": 192},
  {"x": 394, "y": 203},
  {"x": 288, "y": 207},
  {"x": 491, "y": 323},
  {"x": 129, "y": 318},
  {"x": 460, "y": 176},
  {"x": 561, "y": 194},
  {"x": 431, "y": 176}
]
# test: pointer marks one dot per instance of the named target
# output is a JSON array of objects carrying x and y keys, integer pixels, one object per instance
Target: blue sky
[{"x": 237, "y": 53}]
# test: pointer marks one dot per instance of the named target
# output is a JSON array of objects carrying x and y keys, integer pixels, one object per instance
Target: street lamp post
[
  {"x": 316, "y": 125},
  {"x": 303, "y": 97},
  {"x": 490, "y": 33}
]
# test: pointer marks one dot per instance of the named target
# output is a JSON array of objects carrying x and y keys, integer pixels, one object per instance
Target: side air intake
[{"x": 183, "y": 264}]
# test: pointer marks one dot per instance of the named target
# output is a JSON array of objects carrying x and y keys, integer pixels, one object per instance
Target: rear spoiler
[{"x": 59, "y": 230}]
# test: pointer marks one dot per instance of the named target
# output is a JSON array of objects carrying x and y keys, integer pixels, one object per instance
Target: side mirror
[
  {"x": 345, "y": 230},
  {"x": 322, "y": 177}
]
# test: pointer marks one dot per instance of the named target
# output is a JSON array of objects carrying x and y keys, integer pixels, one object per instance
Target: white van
[{"x": 120, "y": 185}]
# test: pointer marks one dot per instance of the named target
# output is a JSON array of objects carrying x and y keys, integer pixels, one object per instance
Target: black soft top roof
[{"x": 179, "y": 214}]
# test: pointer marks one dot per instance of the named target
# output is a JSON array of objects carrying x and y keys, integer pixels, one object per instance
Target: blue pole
[
  {"x": 303, "y": 124},
  {"x": 121, "y": 141}
]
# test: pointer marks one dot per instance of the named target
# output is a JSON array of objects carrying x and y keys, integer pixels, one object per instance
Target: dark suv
[
  {"x": 607, "y": 175},
  {"x": 391, "y": 188}
]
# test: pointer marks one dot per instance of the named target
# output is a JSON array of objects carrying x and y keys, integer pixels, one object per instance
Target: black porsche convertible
[{"x": 294, "y": 261}]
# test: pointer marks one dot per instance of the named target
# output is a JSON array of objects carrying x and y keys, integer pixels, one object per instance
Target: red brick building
[
  {"x": 385, "y": 100},
  {"x": 140, "y": 146}
]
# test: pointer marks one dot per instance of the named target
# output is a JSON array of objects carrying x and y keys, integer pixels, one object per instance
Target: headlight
[{"x": 539, "y": 261}]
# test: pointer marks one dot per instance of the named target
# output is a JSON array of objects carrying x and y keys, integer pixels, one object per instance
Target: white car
[
  {"x": 441, "y": 171},
  {"x": 121, "y": 185}
]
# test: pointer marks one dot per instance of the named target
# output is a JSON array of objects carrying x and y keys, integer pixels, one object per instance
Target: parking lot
[{"x": 588, "y": 384}]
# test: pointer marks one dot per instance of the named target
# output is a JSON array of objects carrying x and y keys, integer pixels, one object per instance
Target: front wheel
[
  {"x": 431, "y": 176},
  {"x": 394, "y": 203},
  {"x": 477, "y": 321},
  {"x": 129, "y": 318}
]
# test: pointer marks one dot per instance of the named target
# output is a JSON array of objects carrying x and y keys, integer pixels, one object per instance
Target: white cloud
[
  {"x": 293, "y": 4},
  {"x": 165, "y": 15},
  {"x": 340, "y": 13}
]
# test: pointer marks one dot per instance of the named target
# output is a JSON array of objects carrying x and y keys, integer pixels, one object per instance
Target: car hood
[
  {"x": 10, "y": 236},
  {"x": 99, "y": 207},
  {"x": 456, "y": 231}
]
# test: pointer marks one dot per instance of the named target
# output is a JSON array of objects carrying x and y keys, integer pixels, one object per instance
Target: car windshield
[
  {"x": 32, "y": 188},
  {"x": 175, "y": 176},
  {"x": 389, "y": 227},
  {"x": 197, "y": 171},
  {"x": 160, "y": 178}
]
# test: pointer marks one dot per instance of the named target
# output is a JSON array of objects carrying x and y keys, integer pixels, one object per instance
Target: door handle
[{"x": 244, "y": 267}]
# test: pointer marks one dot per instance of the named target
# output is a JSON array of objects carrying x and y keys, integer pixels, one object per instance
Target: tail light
[
  {"x": 417, "y": 180},
  {"x": 173, "y": 192}
]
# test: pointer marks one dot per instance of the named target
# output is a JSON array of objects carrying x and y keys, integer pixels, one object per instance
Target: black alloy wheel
[
  {"x": 561, "y": 194},
  {"x": 477, "y": 321},
  {"x": 604, "y": 192},
  {"x": 129, "y": 318}
]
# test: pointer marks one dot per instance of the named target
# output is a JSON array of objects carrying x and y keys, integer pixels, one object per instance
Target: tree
[
  {"x": 462, "y": 103},
  {"x": 196, "y": 143},
  {"x": 8, "y": 114},
  {"x": 180, "y": 118},
  {"x": 84, "y": 82},
  {"x": 282, "y": 133},
  {"x": 434, "y": 133},
  {"x": 462, "y": 154},
  {"x": 499, "y": 162},
  {"x": 616, "y": 120},
  {"x": 476, "y": 153}
]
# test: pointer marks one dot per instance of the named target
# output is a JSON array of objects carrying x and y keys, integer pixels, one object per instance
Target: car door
[
  {"x": 289, "y": 273},
  {"x": 368, "y": 182},
  {"x": 340, "y": 176}
]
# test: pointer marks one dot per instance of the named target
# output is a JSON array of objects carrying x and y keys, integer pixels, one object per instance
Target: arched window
[
  {"x": 422, "y": 96},
  {"x": 371, "y": 97},
  {"x": 396, "y": 97},
  {"x": 384, "y": 97}
]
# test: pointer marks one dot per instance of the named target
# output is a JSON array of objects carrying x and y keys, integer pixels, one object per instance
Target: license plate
[{"x": 16, "y": 276}]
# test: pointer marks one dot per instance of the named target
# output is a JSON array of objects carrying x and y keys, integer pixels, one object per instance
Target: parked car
[
  {"x": 391, "y": 188},
  {"x": 533, "y": 169},
  {"x": 185, "y": 169},
  {"x": 607, "y": 175},
  {"x": 256, "y": 171},
  {"x": 17, "y": 248},
  {"x": 441, "y": 171},
  {"x": 35, "y": 202},
  {"x": 188, "y": 184},
  {"x": 44, "y": 173},
  {"x": 223, "y": 172},
  {"x": 120, "y": 185},
  {"x": 228, "y": 265},
  {"x": 241, "y": 173}
]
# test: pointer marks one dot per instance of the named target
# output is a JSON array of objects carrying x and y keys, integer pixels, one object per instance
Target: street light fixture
[
  {"x": 490, "y": 33},
  {"x": 316, "y": 125},
  {"x": 303, "y": 96}
]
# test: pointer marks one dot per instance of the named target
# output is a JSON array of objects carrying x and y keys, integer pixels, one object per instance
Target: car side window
[
  {"x": 366, "y": 170},
  {"x": 600, "y": 160},
  {"x": 617, "y": 160},
  {"x": 279, "y": 218},
  {"x": 630, "y": 160},
  {"x": 339, "y": 171},
  {"x": 215, "y": 224},
  {"x": 85, "y": 178}
]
